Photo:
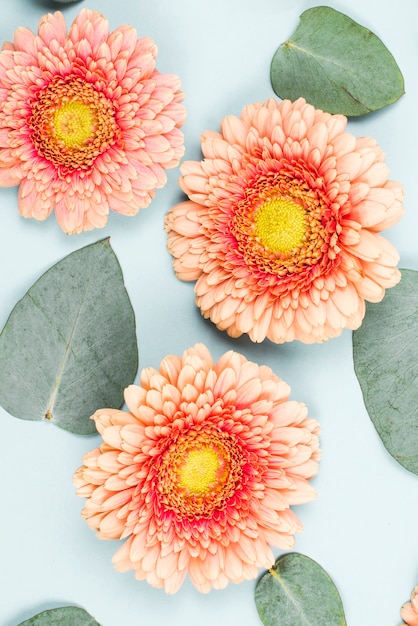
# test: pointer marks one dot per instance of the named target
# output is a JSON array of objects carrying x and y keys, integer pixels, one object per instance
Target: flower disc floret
[
  {"x": 200, "y": 475},
  {"x": 72, "y": 123},
  {"x": 87, "y": 122},
  {"x": 281, "y": 231}
]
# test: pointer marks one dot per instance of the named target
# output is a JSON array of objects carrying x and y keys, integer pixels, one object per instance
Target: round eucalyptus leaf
[
  {"x": 336, "y": 64},
  {"x": 298, "y": 592},
  {"x": 385, "y": 350},
  {"x": 69, "y": 346},
  {"x": 63, "y": 616}
]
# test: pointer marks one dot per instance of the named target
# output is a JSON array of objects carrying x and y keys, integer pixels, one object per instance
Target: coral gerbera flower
[
  {"x": 281, "y": 229},
  {"x": 87, "y": 123},
  {"x": 409, "y": 611},
  {"x": 200, "y": 475}
]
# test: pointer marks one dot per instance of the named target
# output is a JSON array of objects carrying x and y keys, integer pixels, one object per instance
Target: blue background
[{"x": 363, "y": 527}]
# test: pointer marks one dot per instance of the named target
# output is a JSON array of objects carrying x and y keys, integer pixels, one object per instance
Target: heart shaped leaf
[
  {"x": 336, "y": 64},
  {"x": 69, "y": 345},
  {"x": 385, "y": 350},
  {"x": 63, "y": 616},
  {"x": 298, "y": 592}
]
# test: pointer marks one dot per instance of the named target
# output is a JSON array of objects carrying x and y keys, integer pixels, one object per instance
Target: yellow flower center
[
  {"x": 199, "y": 471},
  {"x": 284, "y": 223},
  {"x": 73, "y": 123},
  {"x": 280, "y": 224}
]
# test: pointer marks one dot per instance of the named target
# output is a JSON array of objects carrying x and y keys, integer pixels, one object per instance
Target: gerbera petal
[
  {"x": 409, "y": 611},
  {"x": 234, "y": 130},
  {"x": 11, "y": 176},
  {"x": 204, "y": 487},
  {"x": 25, "y": 40},
  {"x": 174, "y": 581},
  {"x": 101, "y": 155},
  {"x": 30, "y": 201},
  {"x": 284, "y": 198},
  {"x": 51, "y": 28},
  {"x": 90, "y": 25}
]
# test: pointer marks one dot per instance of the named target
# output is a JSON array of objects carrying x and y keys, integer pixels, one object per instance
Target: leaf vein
[{"x": 290, "y": 595}]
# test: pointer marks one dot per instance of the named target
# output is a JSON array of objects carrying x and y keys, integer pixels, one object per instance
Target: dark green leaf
[
  {"x": 385, "y": 350},
  {"x": 336, "y": 65},
  {"x": 298, "y": 592},
  {"x": 69, "y": 346},
  {"x": 63, "y": 616}
]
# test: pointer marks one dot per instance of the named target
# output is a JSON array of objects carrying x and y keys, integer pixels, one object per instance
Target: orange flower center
[
  {"x": 72, "y": 123},
  {"x": 199, "y": 471}
]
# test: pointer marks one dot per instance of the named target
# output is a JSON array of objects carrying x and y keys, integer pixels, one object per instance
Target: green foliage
[
  {"x": 336, "y": 65},
  {"x": 298, "y": 592},
  {"x": 63, "y": 616},
  {"x": 385, "y": 350},
  {"x": 69, "y": 345}
]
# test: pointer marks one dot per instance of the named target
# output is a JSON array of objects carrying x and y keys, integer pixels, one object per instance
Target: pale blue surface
[{"x": 363, "y": 527}]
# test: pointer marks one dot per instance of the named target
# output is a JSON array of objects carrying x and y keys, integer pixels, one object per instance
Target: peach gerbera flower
[
  {"x": 87, "y": 123},
  {"x": 281, "y": 230},
  {"x": 409, "y": 611},
  {"x": 200, "y": 475}
]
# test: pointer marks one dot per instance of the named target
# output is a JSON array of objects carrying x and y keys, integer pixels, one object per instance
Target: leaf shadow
[
  {"x": 53, "y": 4},
  {"x": 372, "y": 115},
  {"x": 26, "y": 614}
]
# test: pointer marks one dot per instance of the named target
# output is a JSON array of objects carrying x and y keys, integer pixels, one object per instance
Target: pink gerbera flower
[
  {"x": 409, "y": 611},
  {"x": 281, "y": 230},
  {"x": 87, "y": 123},
  {"x": 200, "y": 475}
]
